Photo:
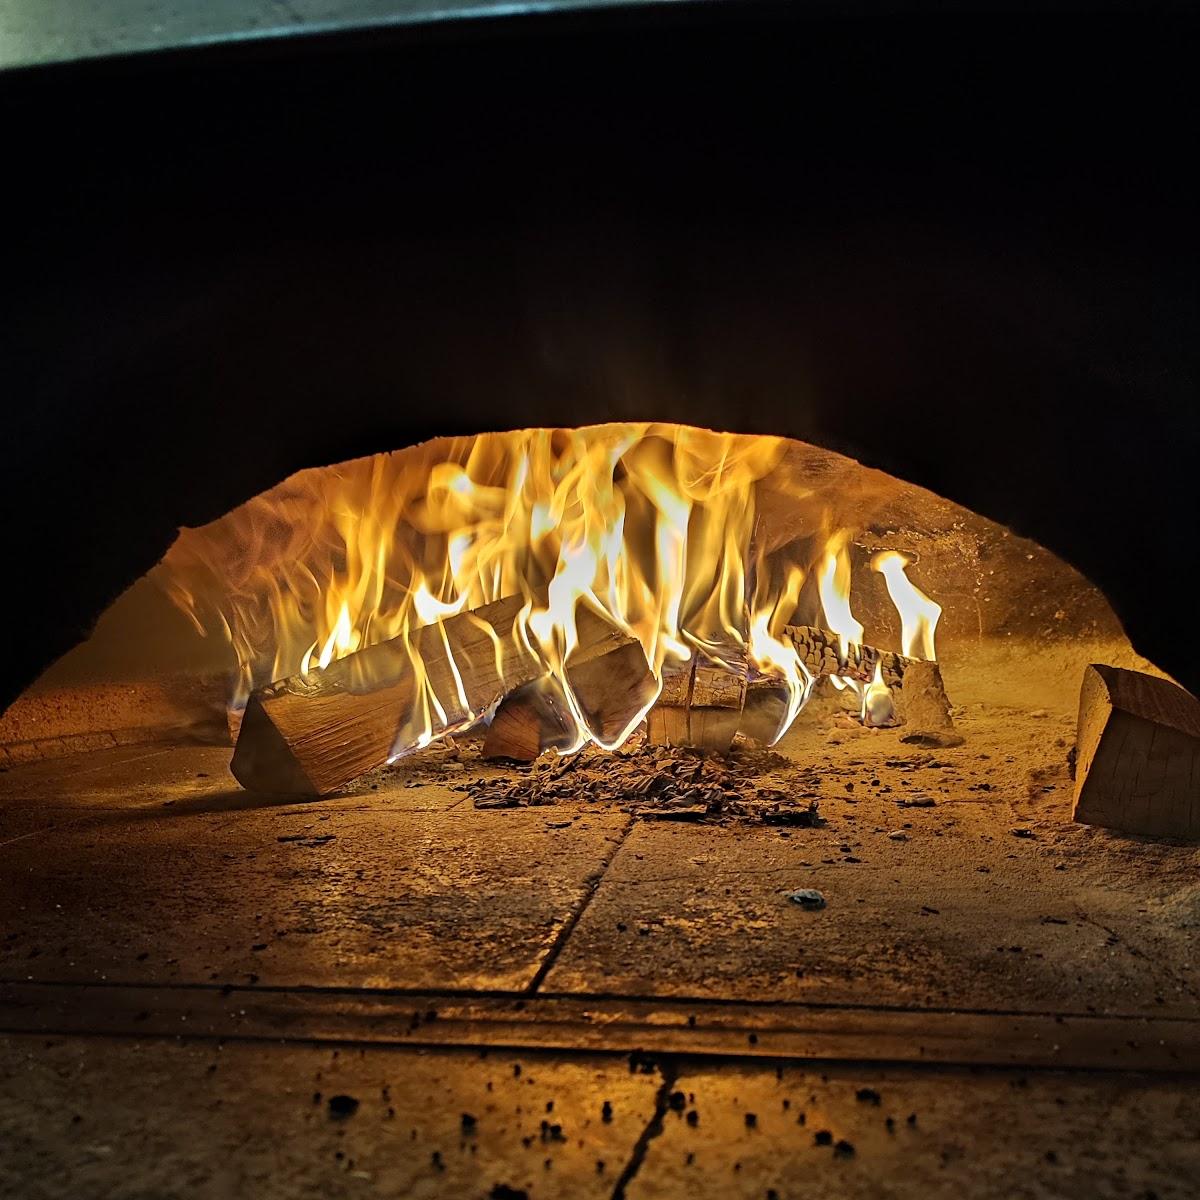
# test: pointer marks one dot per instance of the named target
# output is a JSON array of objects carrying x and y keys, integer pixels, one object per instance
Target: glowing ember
[{"x": 650, "y": 527}]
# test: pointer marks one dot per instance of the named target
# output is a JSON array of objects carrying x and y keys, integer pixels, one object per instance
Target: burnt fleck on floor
[{"x": 395, "y": 992}]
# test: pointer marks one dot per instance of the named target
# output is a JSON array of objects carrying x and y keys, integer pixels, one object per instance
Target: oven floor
[{"x": 189, "y": 973}]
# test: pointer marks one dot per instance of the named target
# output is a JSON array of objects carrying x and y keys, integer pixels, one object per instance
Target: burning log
[
  {"x": 310, "y": 734},
  {"x": 531, "y": 719},
  {"x": 821, "y": 653},
  {"x": 727, "y": 704},
  {"x": 610, "y": 681},
  {"x": 612, "y": 684},
  {"x": 765, "y": 711},
  {"x": 926, "y": 707},
  {"x": 1137, "y": 754},
  {"x": 700, "y": 705}
]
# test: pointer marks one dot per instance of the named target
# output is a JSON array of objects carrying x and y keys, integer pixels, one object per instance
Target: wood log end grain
[
  {"x": 925, "y": 707},
  {"x": 262, "y": 759},
  {"x": 529, "y": 722},
  {"x": 1137, "y": 754}
]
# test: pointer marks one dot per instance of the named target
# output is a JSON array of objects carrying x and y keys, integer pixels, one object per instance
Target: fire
[
  {"x": 918, "y": 613},
  {"x": 650, "y": 526}
]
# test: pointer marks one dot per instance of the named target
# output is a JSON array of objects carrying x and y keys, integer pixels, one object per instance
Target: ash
[{"x": 664, "y": 783}]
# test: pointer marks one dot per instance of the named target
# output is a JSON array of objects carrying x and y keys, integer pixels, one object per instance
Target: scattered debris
[
  {"x": 552, "y": 1132},
  {"x": 304, "y": 839},
  {"x": 665, "y": 783},
  {"x": 808, "y": 898},
  {"x": 502, "y": 1191},
  {"x": 342, "y": 1106},
  {"x": 806, "y": 818}
]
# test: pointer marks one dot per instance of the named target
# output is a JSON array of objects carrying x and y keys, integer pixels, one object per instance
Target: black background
[{"x": 959, "y": 246}]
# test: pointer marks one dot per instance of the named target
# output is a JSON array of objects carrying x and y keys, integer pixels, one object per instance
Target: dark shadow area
[{"x": 959, "y": 248}]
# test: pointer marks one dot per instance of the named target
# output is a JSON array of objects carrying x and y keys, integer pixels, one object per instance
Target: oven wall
[{"x": 958, "y": 248}]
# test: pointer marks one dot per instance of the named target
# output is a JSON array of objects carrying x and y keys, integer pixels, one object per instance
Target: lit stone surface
[
  {"x": 1000, "y": 1135},
  {"x": 134, "y": 1119},
  {"x": 993, "y": 899},
  {"x": 348, "y": 892}
]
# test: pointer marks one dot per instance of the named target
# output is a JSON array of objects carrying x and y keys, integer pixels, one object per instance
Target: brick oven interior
[{"x": 937, "y": 262}]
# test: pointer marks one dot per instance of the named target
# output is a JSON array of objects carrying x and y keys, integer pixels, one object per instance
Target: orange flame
[
  {"x": 649, "y": 526},
  {"x": 918, "y": 619}
]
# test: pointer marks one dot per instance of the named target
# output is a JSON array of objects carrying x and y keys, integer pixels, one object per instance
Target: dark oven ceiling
[{"x": 957, "y": 247}]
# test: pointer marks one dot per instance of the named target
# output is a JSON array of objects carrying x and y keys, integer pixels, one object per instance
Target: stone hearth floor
[{"x": 389, "y": 992}]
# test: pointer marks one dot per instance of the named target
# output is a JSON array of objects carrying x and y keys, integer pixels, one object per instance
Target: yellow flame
[
  {"x": 918, "y": 613},
  {"x": 774, "y": 656},
  {"x": 833, "y": 586},
  {"x": 650, "y": 526}
]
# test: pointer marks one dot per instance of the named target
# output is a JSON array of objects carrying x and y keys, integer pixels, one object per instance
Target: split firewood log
[
  {"x": 529, "y": 721},
  {"x": 765, "y": 710},
  {"x": 611, "y": 682},
  {"x": 821, "y": 652},
  {"x": 310, "y": 734},
  {"x": 700, "y": 704},
  {"x": 1137, "y": 748},
  {"x": 667, "y": 721},
  {"x": 925, "y": 707}
]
